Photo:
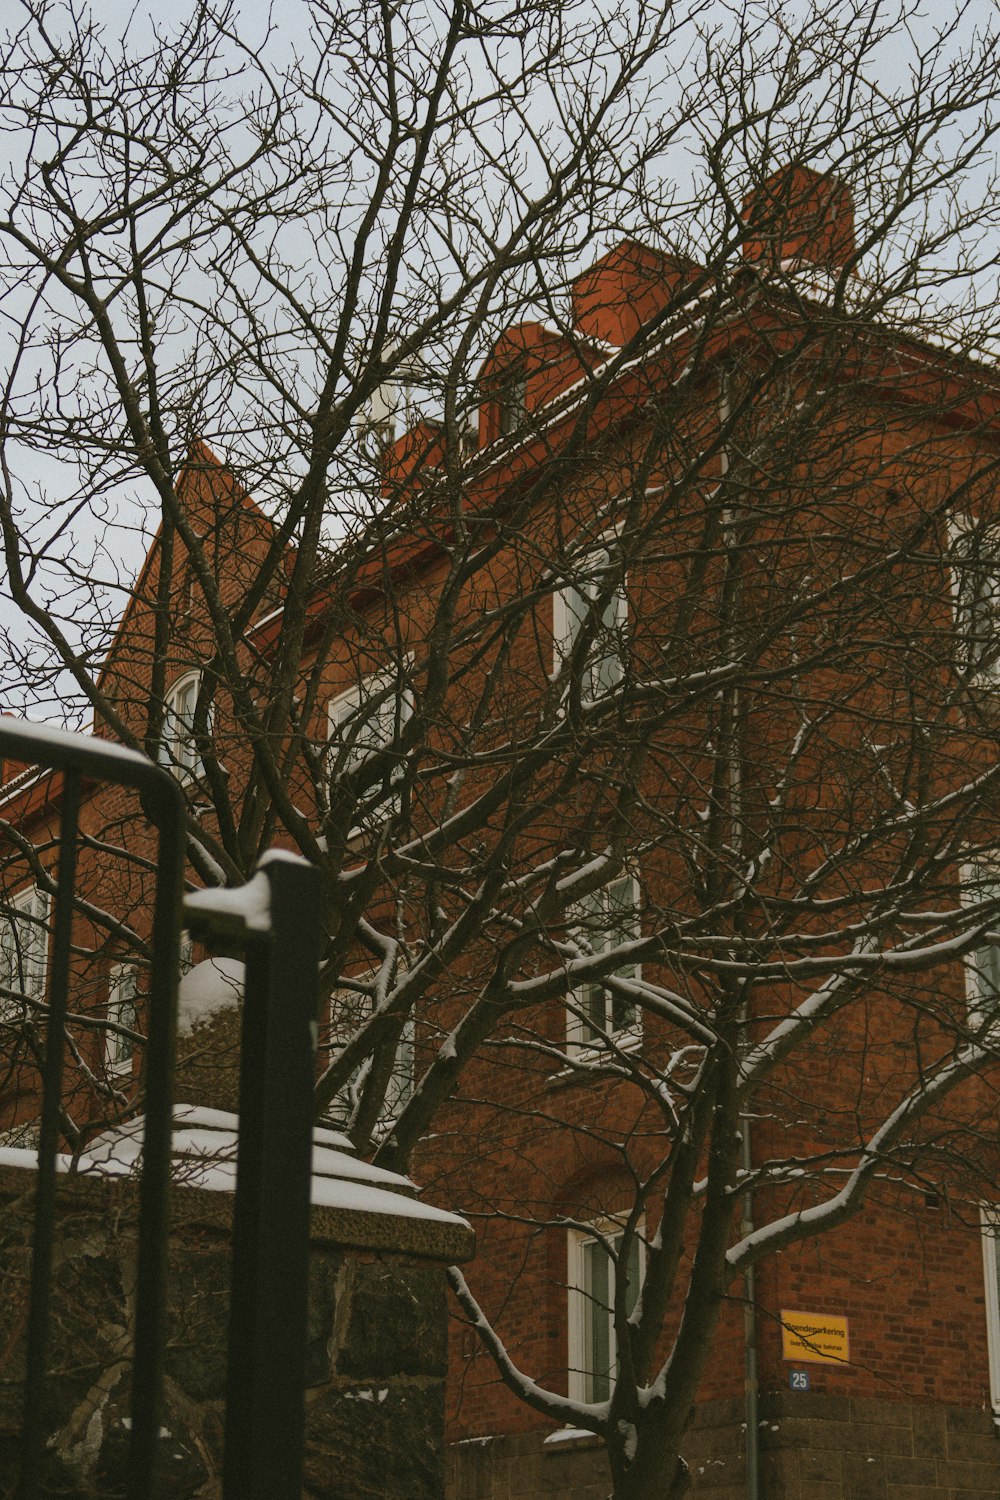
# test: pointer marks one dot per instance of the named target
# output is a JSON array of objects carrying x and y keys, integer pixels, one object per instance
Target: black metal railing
[{"x": 274, "y": 922}]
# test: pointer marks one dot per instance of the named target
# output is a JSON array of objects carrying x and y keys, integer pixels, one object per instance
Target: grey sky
[{"x": 36, "y": 474}]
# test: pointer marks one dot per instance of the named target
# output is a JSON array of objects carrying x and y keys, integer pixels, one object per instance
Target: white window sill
[
  {"x": 627, "y": 1040},
  {"x": 594, "y": 1055}
]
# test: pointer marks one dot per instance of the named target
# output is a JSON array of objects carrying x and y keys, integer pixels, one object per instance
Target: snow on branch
[
  {"x": 819, "y": 1217},
  {"x": 593, "y": 1417}
]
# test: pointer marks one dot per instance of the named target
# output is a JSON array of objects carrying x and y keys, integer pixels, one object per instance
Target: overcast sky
[{"x": 117, "y": 15}]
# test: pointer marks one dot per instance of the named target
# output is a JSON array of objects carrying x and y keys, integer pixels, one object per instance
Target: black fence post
[
  {"x": 265, "y": 1397},
  {"x": 33, "y": 1429}
]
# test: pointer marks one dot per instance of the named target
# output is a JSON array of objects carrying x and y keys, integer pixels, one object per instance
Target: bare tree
[{"x": 637, "y": 699}]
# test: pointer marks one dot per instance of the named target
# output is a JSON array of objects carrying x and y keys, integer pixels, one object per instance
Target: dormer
[
  {"x": 528, "y": 366},
  {"x": 799, "y": 216},
  {"x": 625, "y": 289},
  {"x": 413, "y": 458}
]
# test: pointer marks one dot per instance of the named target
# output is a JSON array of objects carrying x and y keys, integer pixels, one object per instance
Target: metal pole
[
  {"x": 154, "y": 1183},
  {"x": 751, "y": 1383},
  {"x": 265, "y": 1420},
  {"x": 32, "y": 1427},
  {"x": 241, "y": 1374}
]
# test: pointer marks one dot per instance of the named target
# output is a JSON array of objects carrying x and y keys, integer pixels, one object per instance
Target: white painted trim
[
  {"x": 579, "y": 1298},
  {"x": 990, "y": 1220},
  {"x": 564, "y": 630},
  {"x": 972, "y": 877},
  {"x": 32, "y": 903},
  {"x": 959, "y": 529},
  {"x": 352, "y": 699},
  {"x": 403, "y": 1077},
  {"x": 629, "y": 1037},
  {"x": 120, "y": 973},
  {"x": 179, "y": 753}
]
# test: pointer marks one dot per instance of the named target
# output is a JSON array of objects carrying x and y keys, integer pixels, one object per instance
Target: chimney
[
  {"x": 799, "y": 215},
  {"x": 624, "y": 289}
]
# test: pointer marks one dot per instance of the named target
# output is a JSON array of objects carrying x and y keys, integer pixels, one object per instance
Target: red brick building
[{"x": 719, "y": 585}]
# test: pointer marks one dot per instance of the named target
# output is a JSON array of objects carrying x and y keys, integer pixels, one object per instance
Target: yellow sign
[{"x": 814, "y": 1336}]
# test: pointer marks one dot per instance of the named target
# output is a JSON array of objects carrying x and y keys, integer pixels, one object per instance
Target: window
[
  {"x": 188, "y": 592},
  {"x": 123, "y": 1010},
  {"x": 348, "y": 1012},
  {"x": 24, "y": 946},
  {"x": 990, "y": 1217},
  {"x": 514, "y": 401},
  {"x": 364, "y": 720},
  {"x": 596, "y": 1260},
  {"x": 975, "y": 564},
  {"x": 603, "y": 920},
  {"x": 596, "y": 601},
  {"x": 177, "y": 745},
  {"x": 401, "y": 1083},
  {"x": 981, "y": 885}
]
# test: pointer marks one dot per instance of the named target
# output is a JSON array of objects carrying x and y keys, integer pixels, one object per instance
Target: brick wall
[
  {"x": 909, "y": 1281},
  {"x": 812, "y": 1448}
]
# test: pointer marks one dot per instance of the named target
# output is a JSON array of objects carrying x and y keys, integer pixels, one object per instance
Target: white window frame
[
  {"x": 178, "y": 751},
  {"x": 403, "y": 1079},
  {"x": 583, "y": 1312},
  {"x": 401, "y": 1083},
  {"x": 340, "y": 710},
  {"x": 606, "y": 663},
  {"x": 122, "y": 1010},
  {"x": 513, "y": 400},
  {"x": 975, "y": 586},
  {"x": 982, "y": 966},
  {"x": 24, "y": 945},
  {"x": 989, "y": 1214},
  {"x": 619, "y": 922}
]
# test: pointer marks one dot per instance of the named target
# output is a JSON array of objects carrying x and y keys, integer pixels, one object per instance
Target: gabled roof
[{"x": 201, "y": 469}]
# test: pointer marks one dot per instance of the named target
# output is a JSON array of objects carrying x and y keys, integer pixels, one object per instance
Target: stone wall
[
  {"x": 812, "y": 1448},
  {"x": 523, "y": 1467},
  {"x": 376, "y": 1359},
  {"x": 845, "y": 1448}
]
